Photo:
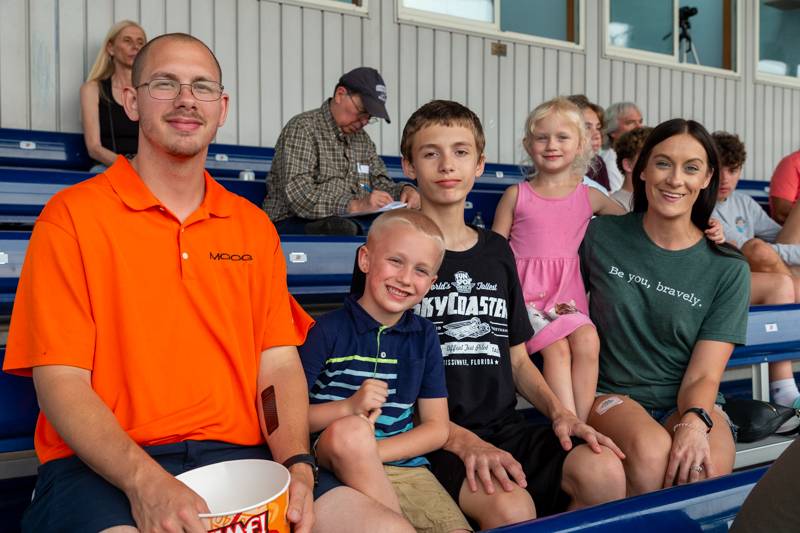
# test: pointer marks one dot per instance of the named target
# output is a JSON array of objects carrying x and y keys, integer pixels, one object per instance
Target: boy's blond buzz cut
[
  {"x": 413, "y": 218},
  {"x": 441, "y": 113}
]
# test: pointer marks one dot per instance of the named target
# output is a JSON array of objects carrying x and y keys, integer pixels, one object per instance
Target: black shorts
[
  {"x": 72, "y": 498},
  {"x": 538, "y": 451}
]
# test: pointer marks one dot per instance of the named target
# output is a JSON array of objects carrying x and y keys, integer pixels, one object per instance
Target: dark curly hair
[
  {"x": 732, "y": 153},
  {"x": 629, "y": 144}
]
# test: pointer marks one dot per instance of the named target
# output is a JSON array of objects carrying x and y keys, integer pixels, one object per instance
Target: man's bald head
[{"x": 141, "y": 58}]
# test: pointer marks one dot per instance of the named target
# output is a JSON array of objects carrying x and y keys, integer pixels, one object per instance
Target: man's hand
[
  {"x": 371, "y": 202},
  {"x": 370, "y": 396},
  {"x": 301, "y": 498},
  {"x": 410, "y": 196},
  {"x": 487, "y": 462},
  {"x": 159, "y": 502},
  {"x": 567, "y": 425}
]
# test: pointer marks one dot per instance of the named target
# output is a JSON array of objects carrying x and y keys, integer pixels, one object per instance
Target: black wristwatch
[
  {"x": 304, "y": 458},
  {"x": 704, "y": 416}
]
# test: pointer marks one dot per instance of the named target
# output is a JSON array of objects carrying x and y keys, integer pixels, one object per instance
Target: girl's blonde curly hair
[{"x": 569, "y": 111}]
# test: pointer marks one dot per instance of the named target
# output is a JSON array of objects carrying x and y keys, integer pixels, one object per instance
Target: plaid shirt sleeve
[{"x": 308, "y": 196}]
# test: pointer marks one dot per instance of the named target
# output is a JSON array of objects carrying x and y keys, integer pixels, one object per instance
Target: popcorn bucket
[{"x": 245, "y": 496}]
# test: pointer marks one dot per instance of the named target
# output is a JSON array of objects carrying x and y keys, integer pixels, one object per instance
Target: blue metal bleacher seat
[
  {"x": 67, "y": 151},
  {"x": 13, "y": 245},
  {"x": 25, "y": 191},
  {"x": 227, "y": 160},
  {"x": 758, "y": 190},
  {"x": 319, "y": 268},
  {"x": 708, "y": 506},
  {"x": 18, "y": 411},
  {"x": 49, "y": 149}
]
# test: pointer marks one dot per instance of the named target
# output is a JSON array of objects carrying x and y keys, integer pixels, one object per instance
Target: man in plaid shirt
[{"x": 326, "y": 166}]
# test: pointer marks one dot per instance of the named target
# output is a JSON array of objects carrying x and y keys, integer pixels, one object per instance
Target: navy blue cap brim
[{"x": 375, "y": 107}]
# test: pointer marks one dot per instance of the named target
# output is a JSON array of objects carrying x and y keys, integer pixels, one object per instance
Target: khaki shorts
[{"x": 424, "y": 502}]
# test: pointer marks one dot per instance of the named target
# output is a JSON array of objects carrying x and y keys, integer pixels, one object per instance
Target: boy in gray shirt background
[{"x": 773, "y": 262}]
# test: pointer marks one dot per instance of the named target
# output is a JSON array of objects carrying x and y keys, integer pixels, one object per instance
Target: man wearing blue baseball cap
[{"x": 326, "y": 166}]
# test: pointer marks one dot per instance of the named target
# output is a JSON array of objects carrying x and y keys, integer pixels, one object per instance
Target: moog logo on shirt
[{"x": 222, "y": 256}]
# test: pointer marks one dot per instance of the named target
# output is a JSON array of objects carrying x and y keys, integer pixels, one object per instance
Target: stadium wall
[{"x": 282, "y": 58}]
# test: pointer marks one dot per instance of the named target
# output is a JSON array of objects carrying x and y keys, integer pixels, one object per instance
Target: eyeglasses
[
  {"x": 362, "y": 113},
  {"x": 166, "y": 89}
]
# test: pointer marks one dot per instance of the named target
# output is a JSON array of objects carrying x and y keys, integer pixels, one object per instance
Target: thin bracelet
[{"x": 690, "y": 426}]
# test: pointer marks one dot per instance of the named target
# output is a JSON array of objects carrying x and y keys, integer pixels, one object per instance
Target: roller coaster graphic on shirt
[{"x": 472, "y": 328}]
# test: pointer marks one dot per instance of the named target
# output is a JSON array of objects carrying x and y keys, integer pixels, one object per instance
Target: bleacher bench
[{"x": 707, "y": 506}]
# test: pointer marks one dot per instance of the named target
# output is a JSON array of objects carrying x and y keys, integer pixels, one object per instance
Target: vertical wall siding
[{"x": 280, "y": 59}]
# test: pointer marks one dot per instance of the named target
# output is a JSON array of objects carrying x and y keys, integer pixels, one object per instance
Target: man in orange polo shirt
[{"x": 154, "y": 317}]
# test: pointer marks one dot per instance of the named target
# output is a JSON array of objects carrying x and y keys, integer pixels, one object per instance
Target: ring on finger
[{"x": 697, "y": 468}]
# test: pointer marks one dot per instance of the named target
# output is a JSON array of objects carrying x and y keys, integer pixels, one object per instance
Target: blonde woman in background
[{"x": 107, "y": 130}]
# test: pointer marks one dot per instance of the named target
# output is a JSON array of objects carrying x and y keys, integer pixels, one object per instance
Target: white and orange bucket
[{"x": 245, "y": 496}]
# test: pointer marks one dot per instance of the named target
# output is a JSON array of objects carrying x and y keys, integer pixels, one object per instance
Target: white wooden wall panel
[
  {"x": 127, "y": 9},
  {"x": 351, "y": 28},
  {"x": 578, "y": 74},
  {"x": 280, "y": 59},
  {"x": 549, "y": 74},
  {"x": 664, "y": 81},
  {"x": 14, "y": 71},
  {"x": 425, "y": 67},
  {"x": 507, "y": 135},
  {"x": 43, "y": 20},
  {"x": 224, "y": 46},
  {"x": 441, "y": 64},
  {"x": 676, "y": 94},
  {"x": 536, "y": 66},
  {"x": 458, "y": 67},
  {"x": 475, "y": 74},
  {"x": 795, "y": 139},
  {"x": 564, "y": 72},
  {"x": 177, "y": 16},
  {"x": 332, "y": 65},
  {"x": 270, "y": 64},
  {"x": 201, "y": 25},
  {"x": 604, "y": 72},
  {"x": 153, "y": 15},
  {"x": 247, "y": 74},
  {"x": 389, "y": 68},
  {"x": 312, "y": 86},
  {"x": 522, "y": 95},
  {"x": 629, "y": 81},
  {"x": 491, "y": 108},
  {"x": 72, "y": 62},
  {"x": 594, "y": 75},
  {"x": 407, "y": 88}
]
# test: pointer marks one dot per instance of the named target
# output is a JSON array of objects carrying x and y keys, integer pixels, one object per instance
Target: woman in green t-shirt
[{"x": 669, "y": 306}]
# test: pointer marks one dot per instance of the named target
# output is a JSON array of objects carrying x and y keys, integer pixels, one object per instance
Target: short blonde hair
[
  {"x": 572, "y": 113},
  {"x": 103, "y": 66},
  {"x": 411, "y": 217}
]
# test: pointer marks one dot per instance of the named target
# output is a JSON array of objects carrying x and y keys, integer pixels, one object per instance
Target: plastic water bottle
[{"x": 478, "y": 221}]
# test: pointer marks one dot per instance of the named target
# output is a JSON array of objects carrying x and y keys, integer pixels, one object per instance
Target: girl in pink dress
[{"x": 545, "y": 219}]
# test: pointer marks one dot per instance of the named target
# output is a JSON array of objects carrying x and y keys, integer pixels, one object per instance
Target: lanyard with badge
[{"x": 362, "y": 170}]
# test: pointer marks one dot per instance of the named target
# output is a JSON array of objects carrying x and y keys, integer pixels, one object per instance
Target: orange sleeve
[
  {"x": 52, "y": 322},
  {"x": 287, "y": 322},
  {"x": 785, "y": 181}
]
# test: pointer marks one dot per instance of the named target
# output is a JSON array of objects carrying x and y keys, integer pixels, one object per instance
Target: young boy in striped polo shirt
[{"x": 374, "y": 368}]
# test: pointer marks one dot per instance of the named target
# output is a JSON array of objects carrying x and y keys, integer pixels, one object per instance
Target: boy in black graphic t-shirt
[{"x": 477, "y": 307}]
